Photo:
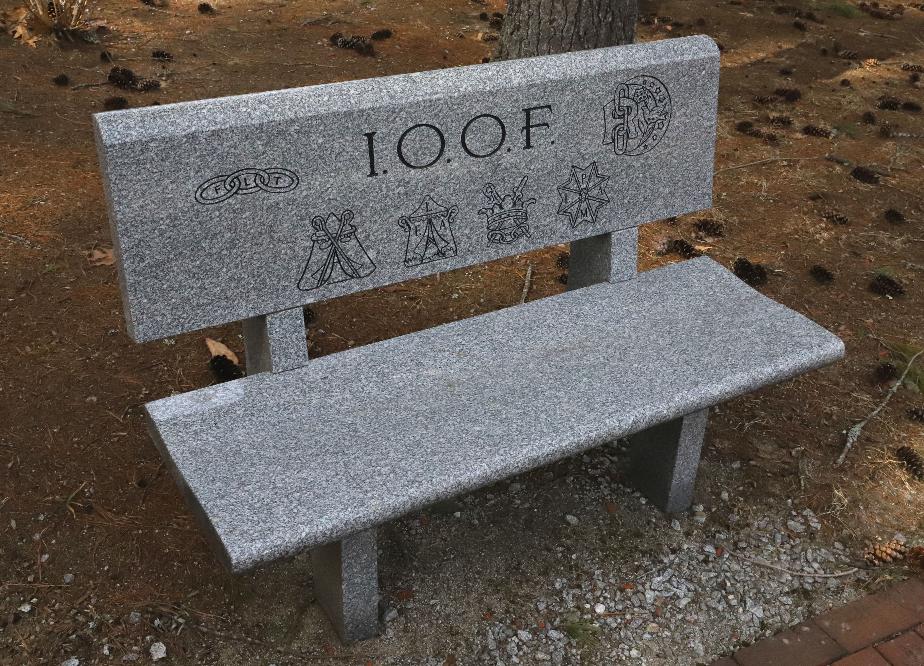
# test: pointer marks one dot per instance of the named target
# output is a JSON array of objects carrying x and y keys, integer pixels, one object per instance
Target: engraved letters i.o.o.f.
[
  {"x": 246, "y": 181},
  {"x": 429, "y": 233},
  {"x": 336, "y": 254},
  {"x": 638, "y": 115}
]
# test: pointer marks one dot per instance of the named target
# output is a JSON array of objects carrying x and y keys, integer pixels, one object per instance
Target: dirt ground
[{"x": 82, "y": 489}]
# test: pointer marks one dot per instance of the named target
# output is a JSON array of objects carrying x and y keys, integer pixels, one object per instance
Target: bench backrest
[{"x": 227, "y": 209}]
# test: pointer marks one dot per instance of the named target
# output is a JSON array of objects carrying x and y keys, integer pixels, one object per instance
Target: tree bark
[{"x": 541, "y": 27}]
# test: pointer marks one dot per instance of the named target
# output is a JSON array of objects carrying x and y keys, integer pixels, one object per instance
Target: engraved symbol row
[{"x": 337, "y": 253}]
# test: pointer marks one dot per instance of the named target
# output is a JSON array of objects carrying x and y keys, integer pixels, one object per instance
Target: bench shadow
[{"x": 494, "y": 554}]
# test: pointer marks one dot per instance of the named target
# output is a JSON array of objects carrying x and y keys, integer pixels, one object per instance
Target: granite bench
[{"x": 248, "y": 208}]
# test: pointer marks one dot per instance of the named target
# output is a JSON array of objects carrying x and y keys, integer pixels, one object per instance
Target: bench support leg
[
  {"x": 346, "y": 584},
  {"x": 610, "y": 257},
  {"x": 664, "y": 460},
  {"x": 275, "y": 342}
]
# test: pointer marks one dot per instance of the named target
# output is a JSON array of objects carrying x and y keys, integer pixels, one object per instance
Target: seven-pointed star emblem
[{"x": 582, "y": 195}]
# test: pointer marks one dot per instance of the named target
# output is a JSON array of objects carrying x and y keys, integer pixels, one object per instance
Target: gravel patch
[{"x": 617, "y": 580}]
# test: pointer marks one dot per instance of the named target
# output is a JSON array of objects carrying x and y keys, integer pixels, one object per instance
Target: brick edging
[{"x": 883, "y": 628}]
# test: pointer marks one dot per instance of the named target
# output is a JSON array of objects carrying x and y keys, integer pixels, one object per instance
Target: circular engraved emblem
[
  {"x": 638, "y": 115},
  {"x": 246, "y": 181}
]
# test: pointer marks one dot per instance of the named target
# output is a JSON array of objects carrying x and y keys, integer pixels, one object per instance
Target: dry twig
[
  {"x": 529, "y": 277},
  {"x": 62, "y": 15},
  {"x": 770, "y": 159},
  {"x": 806, "y": 574},
  {"x": 854, "y": 433}
]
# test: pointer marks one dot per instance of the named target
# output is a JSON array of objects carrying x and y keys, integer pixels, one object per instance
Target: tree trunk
[{"x": 541, "y": 27}]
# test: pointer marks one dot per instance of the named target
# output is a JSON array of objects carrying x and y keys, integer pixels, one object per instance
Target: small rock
[
  {"x": 555, "y": 634},
  {"x": 599, "y": 609},
  {"x": 724, "y": 495},
  {"x": 391, "y": 615},
  {"x": 25, "y": 608},
  {"x": 675, "y": 525},
  {"x": 571, "y": 520},
  {"x": 796, "y": 526},
  {"x": 68, "y": 578},
  {"x": 524, "y": 635},
  {"x": 158, "y": 651},
  {"x": 634, "y": 653},
  {"x": 73, "y": 661},
  {"x": 134, "y": 617}
]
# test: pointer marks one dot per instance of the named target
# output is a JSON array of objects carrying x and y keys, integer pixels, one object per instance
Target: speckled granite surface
[
  {"x": 226, "y": 209},
  {"x": 281, "y": 462}
]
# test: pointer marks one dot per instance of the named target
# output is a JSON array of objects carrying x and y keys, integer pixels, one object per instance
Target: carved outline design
[
  {"x": 582, "y": 195},
  {"x": 507, "y": 217},
  {"x": 335, "y": 256},
  {"x": 429, "y": 233},
  {"x": 246, "y": 181},
  {"x": 637, "y": 117}
]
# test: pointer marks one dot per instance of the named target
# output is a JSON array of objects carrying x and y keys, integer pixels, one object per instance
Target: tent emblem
[
  {"x": 336, "y": 253},
  {"x": 429, "y": 233},
  {"x": 508, "y": 219}
]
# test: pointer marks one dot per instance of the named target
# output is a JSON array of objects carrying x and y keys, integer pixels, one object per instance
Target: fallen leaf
[
  {"x": 217, "y": 348},
  {"x": 22, "y": 33},
  {"x": 101, "y": 257},
  {"x": 16, "y": 21},
  {"x": 14, "y": 16}
]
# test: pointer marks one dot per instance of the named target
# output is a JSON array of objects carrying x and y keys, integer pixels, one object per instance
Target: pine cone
[
  {"x": 915, "y": 557},
  {"x": 882, "y": 553},
  {"x": 912, "y": 460},
  {"x": 146, "y": 85},
  {"x": 916, "y": 414}
]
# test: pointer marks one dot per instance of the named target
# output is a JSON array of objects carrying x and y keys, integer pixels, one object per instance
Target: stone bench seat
[{"x": 280, "y": 462}]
